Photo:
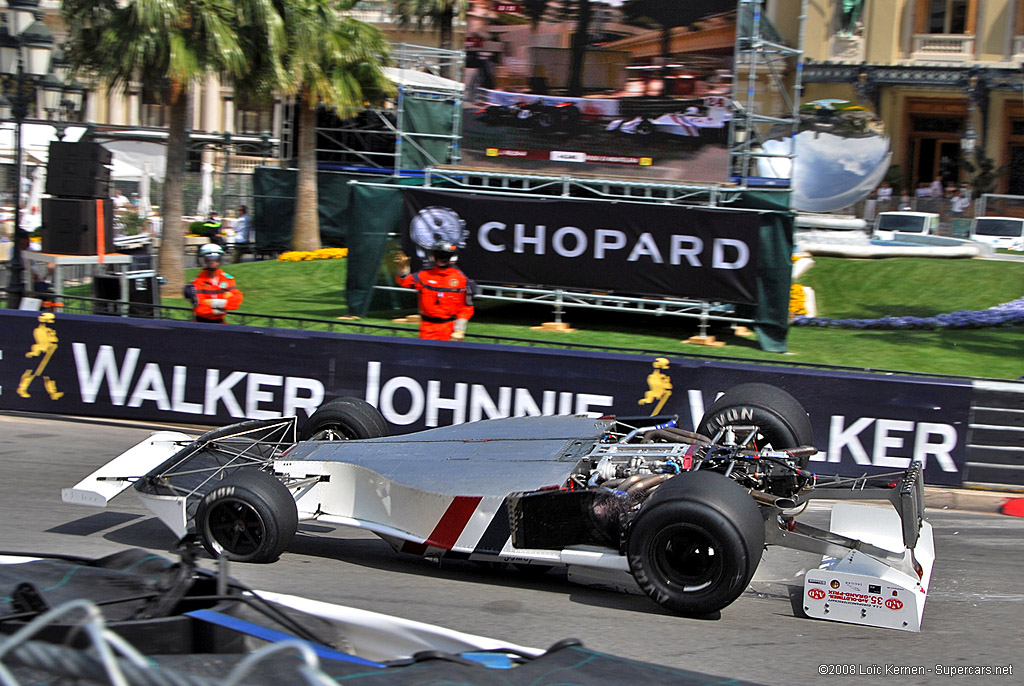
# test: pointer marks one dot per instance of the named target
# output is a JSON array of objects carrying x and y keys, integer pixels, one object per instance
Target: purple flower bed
[{"x": 1007, "y": 314}]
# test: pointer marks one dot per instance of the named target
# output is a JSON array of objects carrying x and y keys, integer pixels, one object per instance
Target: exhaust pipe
[{"x": 766, "y": 499}]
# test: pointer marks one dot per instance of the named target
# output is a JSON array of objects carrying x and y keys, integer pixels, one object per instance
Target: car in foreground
[{"x": 620, "y": 502}]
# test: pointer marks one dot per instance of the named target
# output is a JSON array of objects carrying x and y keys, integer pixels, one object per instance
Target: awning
[
  {"x": 423, "y": 80},
  {"x": 130, "y": 156}
]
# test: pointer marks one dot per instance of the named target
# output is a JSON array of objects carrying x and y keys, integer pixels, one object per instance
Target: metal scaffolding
[
  {"x": 761, "y": 56},
  {"x": 376, "y": 139}
]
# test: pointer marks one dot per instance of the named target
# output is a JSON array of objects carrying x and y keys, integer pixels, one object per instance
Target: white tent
[
  {"x": 130, "y": 156},
  {"x": 422, "y": 80},
  {"x": 36, "y": 138},
  {"x": 35, "y": 141},
  {"x": 123, "y": 171}
]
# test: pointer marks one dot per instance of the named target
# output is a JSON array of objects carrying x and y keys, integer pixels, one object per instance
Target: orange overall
[
  {"x": 210, "y": 286},
  {"x": 442, "y": 300}
]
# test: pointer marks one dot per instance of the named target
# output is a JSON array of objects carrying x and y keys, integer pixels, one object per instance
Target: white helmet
[{"x": 211, "y": 252}]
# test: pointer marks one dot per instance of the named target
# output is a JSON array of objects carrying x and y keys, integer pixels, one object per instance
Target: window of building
[
  {"x": 947, "y": 16},
  {"x": 152, "y": 109},
  {"x": 253, "y": 115},
  {"x": 254, "y": 121}
]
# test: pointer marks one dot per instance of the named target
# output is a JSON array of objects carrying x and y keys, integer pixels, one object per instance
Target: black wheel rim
[
  {"x": 235, "y": 527},
  {"x": 686, "y": 556}
]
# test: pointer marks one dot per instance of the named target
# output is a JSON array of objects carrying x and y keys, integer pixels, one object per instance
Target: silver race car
[{"x": 621, "y": 502}]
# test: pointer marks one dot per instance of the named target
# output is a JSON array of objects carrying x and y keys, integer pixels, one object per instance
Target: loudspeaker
[
  {"x": 78, "y": 180},
  {"x": 69, "y": 226},
  {"x": 141, "y": 290},
  {"x": 143, "y": 294},
  {"x": 62, "y": 153},
  {"x": 78, "y": 170}
]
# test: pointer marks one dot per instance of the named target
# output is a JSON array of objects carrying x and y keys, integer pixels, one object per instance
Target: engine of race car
[
  {"x": 612, "y": 481},
  {"x": 641, "y": 459}
]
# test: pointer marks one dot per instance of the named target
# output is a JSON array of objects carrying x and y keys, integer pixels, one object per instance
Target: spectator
[
  {"x": 884, "y": 194},
  {"x": 41, "y": 273},
  {"x": 212, "y": 227},
  {"x": 961, "y": 201},
  {"x": 213, "y": 292},
  {"x": 243, "y": 225},
  {"x": 119, "y": 200},
  {"x": 936, "y": 187},
  {"x": 445, "y": 294}
]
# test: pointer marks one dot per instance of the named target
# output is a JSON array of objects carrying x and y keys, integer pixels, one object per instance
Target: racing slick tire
[
  {"x": 544, "y": 118},
  {"x": 782, "y": 422},
  {"x": 250, "y": 517},
  {"x": 343, "y": 419},
  {"x": 569, "y": 118},
  {"x": 645, "y": 128},
  {"x": 696, "y": 543}
]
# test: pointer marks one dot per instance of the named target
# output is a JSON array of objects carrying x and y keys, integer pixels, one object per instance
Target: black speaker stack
[{"x": 79, "y": 218}]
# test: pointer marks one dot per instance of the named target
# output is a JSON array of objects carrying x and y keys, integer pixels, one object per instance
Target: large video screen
[{"x": 613, "y": 88}]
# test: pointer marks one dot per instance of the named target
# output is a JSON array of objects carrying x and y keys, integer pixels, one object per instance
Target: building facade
[
  {"x": 944, "y": 75},
  {"x": 216, "y": 112}
]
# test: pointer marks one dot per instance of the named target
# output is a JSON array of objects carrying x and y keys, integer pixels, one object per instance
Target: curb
[{"x": 966, "y": 500}]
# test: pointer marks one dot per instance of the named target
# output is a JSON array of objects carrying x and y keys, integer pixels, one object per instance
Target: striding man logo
[
  {"x": 43, "y": 348},
  {"x": 659, "y": 386}
]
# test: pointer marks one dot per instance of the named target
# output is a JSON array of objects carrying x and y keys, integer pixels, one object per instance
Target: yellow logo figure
[
  {"x": 659, "y": 386},
  {"x": 45, "y": 346}
]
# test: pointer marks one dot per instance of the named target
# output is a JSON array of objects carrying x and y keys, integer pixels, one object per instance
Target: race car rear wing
[
  {"x": 906, "y": 497},
  {"x": 876, "y": 562}
]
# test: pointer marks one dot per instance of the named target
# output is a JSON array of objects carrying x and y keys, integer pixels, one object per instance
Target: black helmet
[{"x": 444, "y": 248}]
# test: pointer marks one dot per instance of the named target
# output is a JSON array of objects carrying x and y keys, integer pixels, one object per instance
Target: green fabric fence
[{"x": 360, "y": 217}]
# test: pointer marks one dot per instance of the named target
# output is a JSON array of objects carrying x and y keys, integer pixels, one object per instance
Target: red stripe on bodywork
[{"x": 454, "y": 520}]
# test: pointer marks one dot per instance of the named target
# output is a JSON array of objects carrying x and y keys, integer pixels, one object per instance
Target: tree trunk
[
  {"x": 446, "y": 38},
  {"x": 171, "y": 264},
  {"x": 578, "y": 44},
  {"x": 306, "y": 234},
  {"x": 666, "y": 51}
]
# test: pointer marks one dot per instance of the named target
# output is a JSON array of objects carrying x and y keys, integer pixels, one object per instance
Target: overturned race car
[{"x": 619, "y": 502}]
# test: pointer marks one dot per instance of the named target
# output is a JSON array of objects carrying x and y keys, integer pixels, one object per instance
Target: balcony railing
[
  {"x": 939, "y": 47},
  {"x": 1018, "y": 47},
  {"x": 848, "y": 49}
]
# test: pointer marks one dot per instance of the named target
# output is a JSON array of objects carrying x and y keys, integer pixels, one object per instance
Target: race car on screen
[
  {"x": 620, "y": 502},
  {"x": 563, "y": 117},
  {"x": 706, "y": 123}
]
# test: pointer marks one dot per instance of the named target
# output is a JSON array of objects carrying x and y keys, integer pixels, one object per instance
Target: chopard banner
[
  {"x": 628, "y": 248},
  {"x": 148, "y": 370}
]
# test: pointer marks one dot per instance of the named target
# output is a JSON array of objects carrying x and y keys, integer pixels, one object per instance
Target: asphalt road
[{"x": 972, "y": 617}]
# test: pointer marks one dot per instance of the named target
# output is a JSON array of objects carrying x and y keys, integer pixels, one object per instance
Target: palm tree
[
  {"x": 578, "y": 44},
  {"x": 332, "y": 61},
  {"x": 440, "y": 13},
  {"x": 666, "y": 15},
  {"x": 166, "y": 45},
  {"x": 534, "y": 10}
]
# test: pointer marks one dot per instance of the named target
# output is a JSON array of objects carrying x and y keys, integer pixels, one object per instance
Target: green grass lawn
[{"x": 844, "y": 287}]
